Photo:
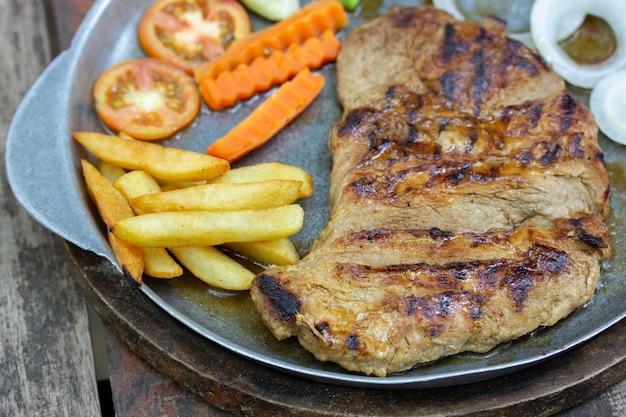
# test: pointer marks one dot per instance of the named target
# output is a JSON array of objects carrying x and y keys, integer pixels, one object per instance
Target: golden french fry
[
  {"x": 125, "y": 135},
  {"x": 157, "y": 261},
  {"x": 214, "y": 267},
  {"x": 272, "y": 252},
  {"x": 109, "y": 171},
  {"x": 208, "y": 228},
  {"x": 135, "y": 184},
  {"x": 111, "y": 204},
  {"x": 170, "y": 187},
  {"x": 129, "y": 256},
  {"x": 174, "y": 185},
  {"x": 240, "y": 196},
  {"x": 268, "y": 171},
  {"x": 113, "y": 207},
  {"x": 170, "y": 164},
  {"x": 159, "y": 264}
]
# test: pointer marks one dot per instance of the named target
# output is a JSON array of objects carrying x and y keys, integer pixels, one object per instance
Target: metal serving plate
[{"x": 44, "y": 171}]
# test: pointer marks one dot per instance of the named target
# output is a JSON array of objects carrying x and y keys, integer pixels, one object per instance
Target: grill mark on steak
[
  {"x": 436, "y": 308},
  {"x": 551, "y": 154},
  {"x": 412, "y": 137},
  {"x": 481, "y": 80},
  {"x": 432, "y": 309},
  {"x": 593, "y": 241},
  {"x": 568, "y": 105},
  {"x": 592, "y": 237},
  {"x": 541, "y": 263},
  {"x": 448, "y": 83},
  {"x": 574, "y": 147},
  {"x": 438, "y": 175},
  {"x": 285, "y": 304},
  {"x": 354, "y": 120},
  {"x": 452, "y": 44},
  {"x": 513, "y": 58},
  {"x": 352, "y": 341},
  {"x": 531, "y": 111},
  {"x": 436, "y": 233},
  {"x": 519, "y": 275},
  {"x": 419, "y": 135}
]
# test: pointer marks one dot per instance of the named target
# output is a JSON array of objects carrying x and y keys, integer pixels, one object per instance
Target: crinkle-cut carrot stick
[
  {"x": 289, "y": 100},
  {"x": 310, "y": 21},
  {"x": 263, "y": 73}
]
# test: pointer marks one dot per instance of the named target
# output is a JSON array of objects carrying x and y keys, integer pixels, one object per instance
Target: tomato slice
[
  {"x": 147, "y": 98},
  {"x": 188, "y": 33}
]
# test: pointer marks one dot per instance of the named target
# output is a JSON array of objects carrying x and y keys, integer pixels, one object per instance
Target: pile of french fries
[{"x": 167, "y": 207}]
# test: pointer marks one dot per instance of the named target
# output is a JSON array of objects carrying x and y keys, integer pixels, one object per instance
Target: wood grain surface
[
  {"x": 64, "y": 17},
  {"x": 46, "y": 365}
]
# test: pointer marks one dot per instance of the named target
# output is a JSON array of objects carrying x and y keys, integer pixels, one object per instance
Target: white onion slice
[
  {"x": 546, "y": 14},
  {"x": 566, "y": 26},
  {"x": 608, "y": 105}
]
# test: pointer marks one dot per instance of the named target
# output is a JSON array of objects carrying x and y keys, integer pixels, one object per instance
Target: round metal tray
[{"x": 44, "y": 171}]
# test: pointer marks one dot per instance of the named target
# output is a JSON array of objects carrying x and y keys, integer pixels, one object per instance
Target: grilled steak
[{"x": 468, "y": 198}]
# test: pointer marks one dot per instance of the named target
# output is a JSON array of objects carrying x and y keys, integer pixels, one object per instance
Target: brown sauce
[{"x": 592, "y": 43}]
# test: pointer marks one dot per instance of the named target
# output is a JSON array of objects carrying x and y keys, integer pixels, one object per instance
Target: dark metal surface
[{"x": 42, "y": 132}]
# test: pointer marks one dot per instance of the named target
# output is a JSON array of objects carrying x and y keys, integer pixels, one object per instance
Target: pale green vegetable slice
[{"x": 273, "y": 9}]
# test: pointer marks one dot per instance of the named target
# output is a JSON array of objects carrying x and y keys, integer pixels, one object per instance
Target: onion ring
[
  {"x": 565, "y": 26},
  {"x": 543, "y": 18},
  {"x": 608, "y": 105}
]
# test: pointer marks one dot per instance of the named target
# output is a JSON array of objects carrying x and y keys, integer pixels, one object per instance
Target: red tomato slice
[
  {"x": 146, "y": 98},
  {"x": 188, "y": 33}
]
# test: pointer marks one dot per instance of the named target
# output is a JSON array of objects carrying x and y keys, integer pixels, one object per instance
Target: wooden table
[{"x": 46, "y": 365}]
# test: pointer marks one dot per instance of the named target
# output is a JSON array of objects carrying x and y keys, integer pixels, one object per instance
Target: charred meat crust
[
  {"x": 284, "y": 303},
  {"x": 408, "y": 150},
  {"x": 467, "y": 198},
  {"x": 441, "y": 285},
  {"x": 518, "y": 276},
  {"x": 430, "y": 281}
]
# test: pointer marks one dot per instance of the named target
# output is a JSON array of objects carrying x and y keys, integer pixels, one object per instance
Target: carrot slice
[
  {"x": 270, "y": 117},
  {"x": 310, "y": 21},
  {"x": 264, "y": 73}
]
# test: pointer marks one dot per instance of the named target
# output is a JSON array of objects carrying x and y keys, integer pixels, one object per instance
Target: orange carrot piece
[
  {"x": 291, "y": 99},
  {"x": 264, "y": 73},
  {"x": 310, "y": 21}
]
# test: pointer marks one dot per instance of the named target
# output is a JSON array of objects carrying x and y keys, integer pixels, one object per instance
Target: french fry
[
  {"x": 157, "y": 261},
  {"x": 109, "y": 171},
  {"x": 159, "y": 264},
  {"x": 129, "y": 256},
  {"x": 170, "y": 187},
  {"x": 125, "y": 135},
  {"x": 249, "y": 211},
  {"x": 209, "y": 228},
  {"x": 214, "y": 267},
  {"x": 111, "y": 204},
  {"x": 170, "y": 164},
  {"x": 272, "y": 252},
  {"x": 240, "y": 196},
  {"x": 135, "y": 184},
  {"x": 113, "y": 207},
  {"x": 268, "y": 171},
  {"x": 174, "y": 185}
]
